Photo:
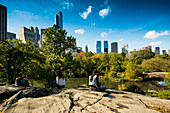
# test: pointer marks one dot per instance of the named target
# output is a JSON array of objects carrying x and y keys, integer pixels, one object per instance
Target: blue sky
[{"x": 135, "y": 22}]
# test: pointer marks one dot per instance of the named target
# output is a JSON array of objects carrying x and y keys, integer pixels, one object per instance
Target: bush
[
  {"x": 156, "y": 65},
  {"x": 164, "y": 94},
  {"x": 134, "y": 88},
  {"x": 122, "y": 87}
]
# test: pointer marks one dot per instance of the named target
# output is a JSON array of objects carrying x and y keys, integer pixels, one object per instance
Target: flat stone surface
[
  {"x": 76, "y": 100},
  {"x": 7, "y": 91}
]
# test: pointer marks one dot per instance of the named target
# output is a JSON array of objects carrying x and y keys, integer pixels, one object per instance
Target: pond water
[
  {"x": 153, "y": 85},
  {"x": 162, "y": 83}
]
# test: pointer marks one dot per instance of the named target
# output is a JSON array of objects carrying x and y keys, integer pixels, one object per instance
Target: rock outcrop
[{"x": 76, "y": 100}]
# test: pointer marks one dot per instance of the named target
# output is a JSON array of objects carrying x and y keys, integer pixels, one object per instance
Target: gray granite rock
[{"x": 76, "y": 100}]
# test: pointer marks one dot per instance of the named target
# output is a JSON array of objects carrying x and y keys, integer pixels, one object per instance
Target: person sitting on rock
[
  {"x": 94, "y": 83},
  {"x": 21, "y": 81},
  {"x": 60, "y": 80},
  {"x": 16, "y": 80}
]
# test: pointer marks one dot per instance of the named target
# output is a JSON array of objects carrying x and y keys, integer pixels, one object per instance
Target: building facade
[
  {"x": 125, "y": 48},
  {"x": 163, "y": 51},
  {"x": 3, "y": 22},
  {"x": 114, "y": 47},
  {"x": 79, "y": 49},
  {"x": 148, "y": 47},
  {"x": 168, "y": 51},
  {"x": 59, "y": 20},
  {"x": 98, "y": 47},
  {"x": 29, "y": 34},
  {"x": 157, "y": 50},
  {"x": 106, "y": 49},
  {"x": 58, "y": 24},
  {"x": 11, "y": 36},
  {"x": 86, "y": 48}
]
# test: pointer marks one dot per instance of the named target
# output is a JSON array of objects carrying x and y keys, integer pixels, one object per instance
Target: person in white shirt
[
  {"x": 94, "y": 83},
  {"x": 60, "y": 80}
]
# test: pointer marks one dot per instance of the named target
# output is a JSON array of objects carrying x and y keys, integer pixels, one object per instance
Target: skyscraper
[
  {"x": 79, "y": 49},
  {"x": 157, "y": 50},
  {"x": 59, "y": 20},
  {"x": 125, "y": 48},
  {"x": 98, "y": 47},
  {"x": 106, "y": 46},
  {"x": 86, "y": 48},
  {"x": 114, "y": 47},
  {"x": 3, "y": 22},
  {"x": 163, "y": 51}
]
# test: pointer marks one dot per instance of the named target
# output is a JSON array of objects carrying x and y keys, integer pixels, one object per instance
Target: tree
[
  {"x": 57, "y": 41},
  {"x": 16, "y": 57},
  {"x": 138, "y": 56},
  {"x": 155, "y": 65},
  {"x": 132, "y": 71},
  {"x": 164, "y": 56},
  {"x": 56, "y": 46}
]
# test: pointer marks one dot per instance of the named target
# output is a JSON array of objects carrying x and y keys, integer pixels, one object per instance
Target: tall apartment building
[
  {"x": 106, "y": 49},
  {"x": 79, "y": 49},
  {"x": 98, "y": 47},
  {"x": 3, "y": 22},
  {"x": 114, "y": 47},
  {"x": 157, "y": 50},
  {"x": 163, "y": 51},
  {"x": 29, "y": 34},
  {"x": 59, "y": 20},
  {"x": 11, "y": 36},
  {"x": 86, "y": 48},
  {"x": 125, "y": 48},
  {"x": 58, "y": 24}
]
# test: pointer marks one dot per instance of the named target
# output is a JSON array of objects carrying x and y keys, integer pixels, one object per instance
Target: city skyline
[{"x": 136, "y": 23}]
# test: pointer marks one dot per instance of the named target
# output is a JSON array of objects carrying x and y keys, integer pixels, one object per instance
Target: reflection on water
[
  {"x": 162, "y": 83},
  {"x": 75, "y": 82}
]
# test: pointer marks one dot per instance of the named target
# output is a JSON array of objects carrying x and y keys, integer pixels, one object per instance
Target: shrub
[
  {"x": 134, "y": 88},
  {"x": 122, "y": 87},
  {"x": 164, "y": 94}
]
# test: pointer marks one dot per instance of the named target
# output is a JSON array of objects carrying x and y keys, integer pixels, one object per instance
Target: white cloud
[
  {"x": 103, "y": 34},
  {"x": 104, "y": 12},
  {"x": 105, "y": 3},
  {"x": 86, "y": 13},
  {"x": 66, "y": 4},
  {"x": 93, "y": 24},
  {"x": 25, "y": 14},
  {"x": 152, "y": 34},
  {"x": 111, "y": 30},
  {"x": 120, "y": 40},
  {"x": 155, "y": 43},
  {"x": 79, "y": 31}
]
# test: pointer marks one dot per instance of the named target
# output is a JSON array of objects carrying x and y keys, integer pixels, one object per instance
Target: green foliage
[
  {"x": 57, "y": 41},
  {"x": 17, "y": 57},
  {"x": 138, "y": 56},
  {"x": 132, "y": 71},
  {"x": 164, "y": 56},
  {"x": 156, "y": 65},
  {"x": 134, "y": 88},
  {"x": 164, "y": 94},
  {"x": 167, "y": 79}
]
